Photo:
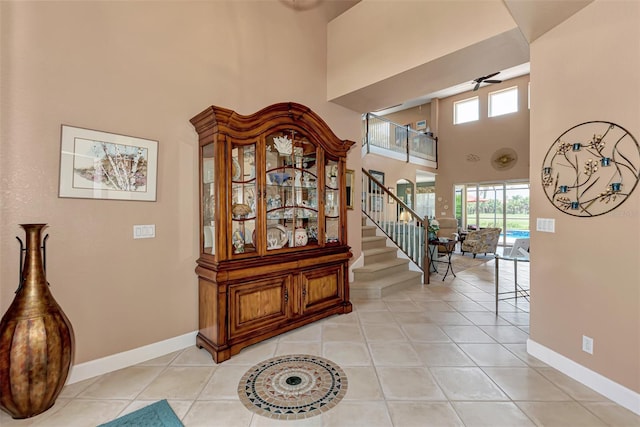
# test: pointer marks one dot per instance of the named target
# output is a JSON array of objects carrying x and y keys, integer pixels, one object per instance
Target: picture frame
[
  {"x": 350, "y": 175},
  {"x": 421, "y": 125},
  {"x": 390, "y": 199},
  {"x": 101, "y": 165}
]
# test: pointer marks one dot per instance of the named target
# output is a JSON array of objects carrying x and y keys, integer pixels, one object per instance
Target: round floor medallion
[{"x": 292, "y": 387}]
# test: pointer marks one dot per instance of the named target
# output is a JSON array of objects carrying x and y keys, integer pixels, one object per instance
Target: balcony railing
[
  {"x": 385, "y": 137},
  {"x": 399, "y": 222}
]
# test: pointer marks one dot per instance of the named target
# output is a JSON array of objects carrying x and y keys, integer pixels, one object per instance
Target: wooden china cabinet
[{"x": 273, "y": 235}]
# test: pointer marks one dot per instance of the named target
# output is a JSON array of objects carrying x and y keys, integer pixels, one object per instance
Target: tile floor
[{"x": 433, "y": 355}]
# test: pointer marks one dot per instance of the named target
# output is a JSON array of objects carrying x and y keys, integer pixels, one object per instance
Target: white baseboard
[
  {"x": 117, "y": 361},
  {"x": 601, "y": 384}
]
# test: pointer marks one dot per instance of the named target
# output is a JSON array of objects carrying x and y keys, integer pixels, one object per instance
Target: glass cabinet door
[
  {"x": 208, "y": 200},
  {"x": 243, "y": 198},
  {"x": 291, "y": 191},
  {"x": 332, "y": 202}
]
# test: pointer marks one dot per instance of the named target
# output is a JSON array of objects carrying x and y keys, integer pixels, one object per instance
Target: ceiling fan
[{"x": 485, "y": 79}]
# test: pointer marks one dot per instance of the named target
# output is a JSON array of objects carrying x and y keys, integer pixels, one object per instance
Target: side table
[
  {"x": 517, "y": 289},
  {"x": 449, "y": 246}
]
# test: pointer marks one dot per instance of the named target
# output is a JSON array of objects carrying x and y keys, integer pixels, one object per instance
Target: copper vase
[{"x": 36, "y": 339}]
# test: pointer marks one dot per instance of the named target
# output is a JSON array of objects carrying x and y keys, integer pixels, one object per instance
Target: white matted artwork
[
  {"x": 421, "y": 125},
  {"x": 101, "y": 165}
]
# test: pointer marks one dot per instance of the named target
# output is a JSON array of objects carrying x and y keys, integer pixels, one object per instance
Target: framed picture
[
  {"x": 349, "y": 174},
  {"x": 101, "y": 165},
  {"x": 421, "y": 125},
  {"x": 390, "y": 199}
]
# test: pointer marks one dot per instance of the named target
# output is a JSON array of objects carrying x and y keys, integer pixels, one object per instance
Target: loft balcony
[{"x": 400, "y": 142}]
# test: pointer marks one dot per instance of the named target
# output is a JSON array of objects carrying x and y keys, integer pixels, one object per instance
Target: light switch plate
[
  {"x": 144, "y": 231},
  {"x": 547, "y": 225}
]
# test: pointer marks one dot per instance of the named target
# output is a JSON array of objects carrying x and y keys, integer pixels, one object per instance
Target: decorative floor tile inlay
[{"x": 292, "y": 387}]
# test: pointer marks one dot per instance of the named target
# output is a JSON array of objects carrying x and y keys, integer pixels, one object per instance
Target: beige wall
[
  {"x": 404, "y": 35},
  {"x": 412, "y": 115},
  {"x": 585, "y": 277},
  {"x": 141, "y": 69}
]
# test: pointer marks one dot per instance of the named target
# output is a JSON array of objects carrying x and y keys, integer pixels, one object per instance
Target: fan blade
[
  {"x": 490, "y": 75},
  {"x": 476, "y": 86},
  {"x": 493, "y": 81}
]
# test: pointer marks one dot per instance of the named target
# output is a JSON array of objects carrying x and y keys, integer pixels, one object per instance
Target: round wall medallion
[
  {"x": 591, "y": 169},
  {"x": 504, "y": 159},
  {"x": 292, "y": 387}
]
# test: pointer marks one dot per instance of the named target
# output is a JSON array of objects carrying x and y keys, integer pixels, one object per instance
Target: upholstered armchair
[{"x": 481, "y": 241}]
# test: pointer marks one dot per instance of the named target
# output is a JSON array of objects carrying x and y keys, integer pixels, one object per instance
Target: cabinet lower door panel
[
  {"x": 258, "y": 304},
  {"x": 321, "y": 288}
]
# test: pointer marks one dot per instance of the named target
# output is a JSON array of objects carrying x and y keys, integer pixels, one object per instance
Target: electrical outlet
[{"x": 587, "y": 344}]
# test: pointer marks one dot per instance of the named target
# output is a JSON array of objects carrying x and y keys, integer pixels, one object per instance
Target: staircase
[{"x": 383, "y": 272}]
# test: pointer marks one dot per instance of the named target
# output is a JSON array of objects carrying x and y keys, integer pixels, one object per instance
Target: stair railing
[
  {"x": 399, "y": 222},
  {"x": 379, "y": 132}
]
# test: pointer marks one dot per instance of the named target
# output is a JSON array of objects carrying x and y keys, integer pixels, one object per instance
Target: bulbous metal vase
[{"x": 36, "y": 338}]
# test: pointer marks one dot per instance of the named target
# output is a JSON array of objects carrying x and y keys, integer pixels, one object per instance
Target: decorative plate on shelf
[
  {"x": 236, "y": 171},
  {"x": 276, "y": 236},
  {"x": 279, "y": 178}
]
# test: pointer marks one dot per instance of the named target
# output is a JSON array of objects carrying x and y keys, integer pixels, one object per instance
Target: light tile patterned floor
[{"x": 433, "y": 355}]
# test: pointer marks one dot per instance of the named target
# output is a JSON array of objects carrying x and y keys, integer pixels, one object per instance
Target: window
[
  {"x": 503, "y": 102},
  {"x": 465, "y": 111},
  {"x": 501, "y": 204}
]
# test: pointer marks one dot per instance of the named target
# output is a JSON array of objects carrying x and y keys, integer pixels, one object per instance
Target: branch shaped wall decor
[{"x": 591, "y": 169}]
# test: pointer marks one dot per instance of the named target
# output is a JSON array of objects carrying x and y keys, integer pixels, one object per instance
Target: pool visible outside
[
  {"x": 518, "y": 234},
  {"x": 512, "y": 235}
]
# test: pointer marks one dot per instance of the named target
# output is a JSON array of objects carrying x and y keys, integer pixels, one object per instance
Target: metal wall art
[{"x": 591, "y": 169}]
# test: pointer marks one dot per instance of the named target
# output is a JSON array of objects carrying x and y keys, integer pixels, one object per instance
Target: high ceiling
[{"x": 507, "y": 54}]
